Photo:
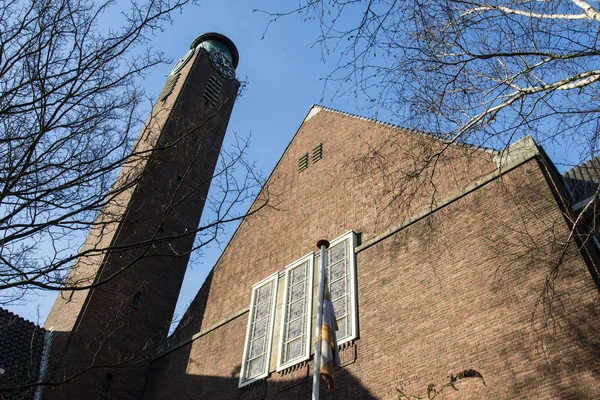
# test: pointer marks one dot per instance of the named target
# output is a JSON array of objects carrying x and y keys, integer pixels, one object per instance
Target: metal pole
[{"x": 323, "y": 245}]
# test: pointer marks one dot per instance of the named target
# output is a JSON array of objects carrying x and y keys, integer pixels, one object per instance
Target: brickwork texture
[{"x": 485, "y": 283}]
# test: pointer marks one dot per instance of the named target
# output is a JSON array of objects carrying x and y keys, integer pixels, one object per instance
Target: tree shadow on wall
[{"x": 565, "y": 368}]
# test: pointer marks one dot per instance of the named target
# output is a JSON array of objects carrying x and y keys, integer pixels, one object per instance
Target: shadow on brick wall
[
  {"x": 570, "y": 364},
  {"x": 169, "y": 377},
  {"x": 214, "y": 387}
]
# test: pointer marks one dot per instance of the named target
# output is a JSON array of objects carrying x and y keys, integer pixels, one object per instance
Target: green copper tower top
[{"x": 215, "y": 42}]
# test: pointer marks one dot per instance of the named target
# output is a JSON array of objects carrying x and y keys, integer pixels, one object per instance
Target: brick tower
[{"x": 135, "y": 255}]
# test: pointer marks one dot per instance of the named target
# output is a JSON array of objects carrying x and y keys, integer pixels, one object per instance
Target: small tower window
[
  {"x": 106, "y": 385},
  {"x": 136, "y": 298}
]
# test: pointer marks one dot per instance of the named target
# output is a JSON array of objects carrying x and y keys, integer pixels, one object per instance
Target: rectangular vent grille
[
  {"x": 317, "y": 153},
  {"x": 213, "y": 91},
  {"x": 169, "y": 86},
  {"x": 303, "y": 162}
]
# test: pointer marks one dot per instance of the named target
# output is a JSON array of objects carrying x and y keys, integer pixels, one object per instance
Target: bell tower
[{"x": 127, "y": 278}]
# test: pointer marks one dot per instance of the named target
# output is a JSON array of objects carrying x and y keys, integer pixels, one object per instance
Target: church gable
[
  {"x": 431, "y": 268},
  {"x": 339, "y": 173}
]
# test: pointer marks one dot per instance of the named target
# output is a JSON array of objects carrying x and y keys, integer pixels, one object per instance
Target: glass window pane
[
  {"x": 295, "y": 329},
  {"x": 338, "y": 289},
  {"x": 294, "y": 323},
  {"x": 295, "y": 349},
  {"x": 342, "y": 328},
  {"x": 260, "y": 328},
  {"x": 257, "y": 347},
  {"x": 298, "y": 274},
  {"x": 262, "y": 310},
  {"x": 259, "y": 334},
  {"x": 297, "y": 292},
  {"x": 338, "y": 271},
  {"x": 339, "y": 306},
  {"x": 337, "y": 252},
  {"x": 264, "y": 294},
  {"x": 255, "y": 367},
  {"x": 296, "y": 310}
]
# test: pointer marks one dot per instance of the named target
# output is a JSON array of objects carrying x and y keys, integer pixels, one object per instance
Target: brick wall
[
  {"x": 462, "y": 288},
  {"x": 356, "y": 186}
]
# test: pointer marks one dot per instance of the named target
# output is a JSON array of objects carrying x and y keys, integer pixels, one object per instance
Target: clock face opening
[
  {"x": 214, "y": 46},
  {"x": 182, "y": 61},
  {"x": 222, "y": 64}
]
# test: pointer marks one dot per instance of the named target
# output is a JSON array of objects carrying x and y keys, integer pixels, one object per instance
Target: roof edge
[
  {"x": 403, "y": 128},
  {"x": 20, "y": 318}
]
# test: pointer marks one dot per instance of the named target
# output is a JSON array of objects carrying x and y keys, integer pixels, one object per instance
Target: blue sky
[
  {"x": 285, "y": 74},
  {"x": 283, "y": 70}
]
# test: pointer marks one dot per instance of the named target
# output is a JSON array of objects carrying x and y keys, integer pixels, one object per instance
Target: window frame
[
  {"x": 310, "y": 258},
  {"x": 352, "y": 241},
  {"x": 352, "y": 237},
  {"x": 274, "y": 278}
]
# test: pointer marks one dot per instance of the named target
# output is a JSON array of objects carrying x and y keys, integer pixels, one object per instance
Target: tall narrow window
[
  {"x": 136, "y": 298},
  {"x": 259, "y": 334},
  {"x": 296, "y": 308},
  {"x": 106, "y": 384},
  {"x": 340, "y": 267},
  {"x": 294, "y": 340}
]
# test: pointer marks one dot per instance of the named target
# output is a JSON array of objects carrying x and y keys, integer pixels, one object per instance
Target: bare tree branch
[{"x": 70, "y": 107}]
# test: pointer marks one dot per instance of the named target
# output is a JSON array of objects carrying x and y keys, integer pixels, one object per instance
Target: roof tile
[
  {"x": 21, "y": 345},
  {"x": 584, "y": 180}
]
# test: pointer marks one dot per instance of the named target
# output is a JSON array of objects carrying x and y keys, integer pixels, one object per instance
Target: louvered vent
[
  {"x": 317, "y": 153},
  {"x": 213, "y": 91},
  {"x": 303, "y": 162},
  {"x": 169, "y": 86}
]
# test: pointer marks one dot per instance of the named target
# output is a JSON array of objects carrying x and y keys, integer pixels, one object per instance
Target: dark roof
[
  {"x": 21, "y": 345},
  {"x": 584, "y": 179}
]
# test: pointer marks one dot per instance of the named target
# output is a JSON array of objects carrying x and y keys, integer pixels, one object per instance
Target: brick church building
[{"x": 445, "y": 257}]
